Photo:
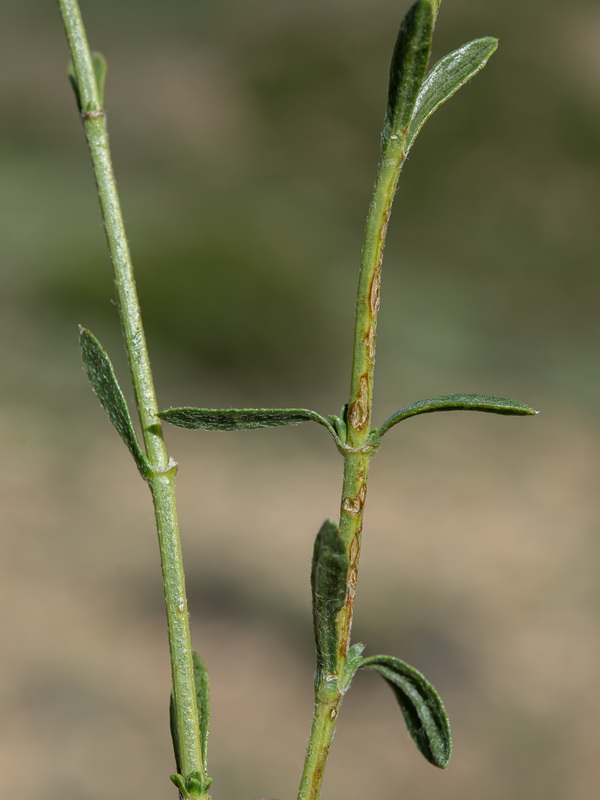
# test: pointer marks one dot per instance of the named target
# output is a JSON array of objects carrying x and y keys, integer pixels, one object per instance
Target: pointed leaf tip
[
  {"x": 446, "y": 78},
  {"x": 421, "y": 706},
  {"x": 104, "y": 382}
]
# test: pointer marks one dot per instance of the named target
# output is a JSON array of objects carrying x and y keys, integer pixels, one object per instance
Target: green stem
[
  {"x": 162, "y": 479},
  {"x": 329, "y": 692}
]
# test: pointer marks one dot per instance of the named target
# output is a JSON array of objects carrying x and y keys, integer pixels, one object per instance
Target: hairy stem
[
  {"x": 329, "y": 691},
  {"x": 162, "y": 477}
]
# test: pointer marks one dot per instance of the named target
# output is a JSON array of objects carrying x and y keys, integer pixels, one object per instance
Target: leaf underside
[
  {"x": 328, "y": 583},
  {"x": 421, "y": 706},
  {"x": 445, "y": 78},
  {"x": 104, "y": 382},
  {"x": 407, "y": 69},
  {"x": 457, "y": 402}
]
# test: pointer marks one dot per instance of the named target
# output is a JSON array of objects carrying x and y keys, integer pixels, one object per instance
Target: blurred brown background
[{"x": 245, "y": 138}]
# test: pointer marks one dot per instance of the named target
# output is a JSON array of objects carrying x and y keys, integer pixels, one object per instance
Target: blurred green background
[{"x": 245, "y": 137}]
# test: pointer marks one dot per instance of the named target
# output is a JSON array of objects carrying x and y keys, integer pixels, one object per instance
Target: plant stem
[
  {"x": 162, "y": 477},
  {"x": 329, "y": 690}
]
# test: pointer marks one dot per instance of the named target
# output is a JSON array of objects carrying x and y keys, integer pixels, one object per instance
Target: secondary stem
[
  {"x": 329, "y": 692},
  {"x": 162, "y": 479}
]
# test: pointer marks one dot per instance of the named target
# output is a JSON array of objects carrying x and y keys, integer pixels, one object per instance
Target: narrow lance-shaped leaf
[
  {"x": 328, "y": 582},
  {"x": 104, "y": 382},
  {"x": 175, "y": 734},
  {"x": 203, "y": 704},
  {"x": 407, "y": 70},
  {"x": 421, "y": 706},
  {"x": 237, "y": 419},
  {"x": 445, "y": 78},
  {"x": 455, "y": 402}
]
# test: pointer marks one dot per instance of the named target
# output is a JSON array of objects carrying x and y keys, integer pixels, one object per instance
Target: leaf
[
  {"x": 175, "y": 735},
  {"x": 196, "y": 788},
  {"x": 455, "y": 402},
  {"x": 353, "y": 661},
  {"x": 236, "y": 419},
  {"x": 100, "y": 66},
  {"x": 446, "y": 78},
  {"x": 328, "y": 582},
  {"x": 340, "y": 423},
  {"x": 104, "y": 382},
  {"x": 421, "y": 706},
  {"x": 407, "y": 70},
  {"x": 203, "y": 704}
]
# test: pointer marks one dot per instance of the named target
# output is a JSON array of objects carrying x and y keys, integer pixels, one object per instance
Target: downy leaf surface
[
  {"x": 407, "y": 70},
  {"x": 445, "y": 78},
  {"x": 203, "y": 704},
  {"x": 104, "y": 382},
  {"x": 237, "y": 419},
  {"x": 455, "y": 402},
  {"x": 421, "y": 707},
  {"x": 328, "y": 583}
]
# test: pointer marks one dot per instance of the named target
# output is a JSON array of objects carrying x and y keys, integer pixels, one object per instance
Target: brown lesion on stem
[
  {"x": 375, "y": 291},
  {"x": 369, "y": 342},
  {"x": 355, "y": 505},
  {"x": 358, "y": 413}
]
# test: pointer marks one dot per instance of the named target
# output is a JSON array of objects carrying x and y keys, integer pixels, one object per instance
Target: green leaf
[
  {"x": 455, "y": 402},
  {"x": 353, "y": 662},
  {"x": 446, "y": 78},
  {"x": 407, "y": 70},
  {"x": 421, "y": 706},
  {"x": 340, "y": 423},
  {"x": 195, "y": 787},
  {"x": 203, "y": 704},
  {"x": 236, "y": 419},
  {"x": 100, "y": 66},
  {"x": 175, "y": 735},
  {"x": 328, "y": 582},
  {"x": 179, "y": 782},
  {"x": 104, "y": 382}
]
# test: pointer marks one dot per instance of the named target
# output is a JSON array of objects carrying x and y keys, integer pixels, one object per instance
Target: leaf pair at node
[
  {"x": 422, "y": 707},
  {"x": 234, "y": 419}
]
